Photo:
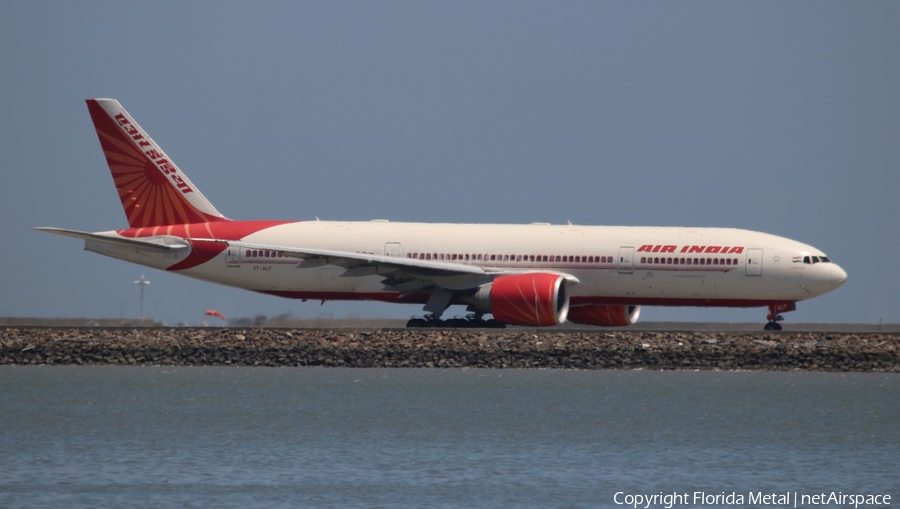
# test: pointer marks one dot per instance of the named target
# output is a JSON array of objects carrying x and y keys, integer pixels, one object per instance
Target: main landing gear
[
  {"x": 438, "y": 302},
  {"x": 471, "y": 321}
]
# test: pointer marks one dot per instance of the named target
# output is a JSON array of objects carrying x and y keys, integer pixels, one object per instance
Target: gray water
[{"x": 316, "y": 437}]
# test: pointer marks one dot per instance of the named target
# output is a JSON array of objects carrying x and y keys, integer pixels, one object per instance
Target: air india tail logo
[
  {"x": 152, "y": 189},
  {"x": 163, "y": 164}
]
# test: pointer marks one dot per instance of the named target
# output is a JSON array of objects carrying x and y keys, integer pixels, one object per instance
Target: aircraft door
[
  {"x": 391, "y": 249},
  {"x": 754, "y": 262},
  {"x": 626, "y": 260},
  {"x": 233, "y": 257}
]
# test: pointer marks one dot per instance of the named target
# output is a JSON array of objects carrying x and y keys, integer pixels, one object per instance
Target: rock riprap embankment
[{"x": 424, "y": 348}]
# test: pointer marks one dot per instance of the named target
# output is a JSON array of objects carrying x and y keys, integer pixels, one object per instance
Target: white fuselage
[{"x": 614, "y": 265}]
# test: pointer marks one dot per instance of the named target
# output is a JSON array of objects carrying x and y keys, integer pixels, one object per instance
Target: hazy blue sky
[{"x": 782, "y": 117}]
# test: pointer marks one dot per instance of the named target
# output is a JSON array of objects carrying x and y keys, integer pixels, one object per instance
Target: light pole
[{"x": 143, "y": 282}]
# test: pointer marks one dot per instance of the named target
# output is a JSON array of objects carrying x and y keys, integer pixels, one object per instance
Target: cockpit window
[
  {"x": 806, "y": 260},
  {"x": 824, "y": 259},
  {"x": 815, "y": 259}
]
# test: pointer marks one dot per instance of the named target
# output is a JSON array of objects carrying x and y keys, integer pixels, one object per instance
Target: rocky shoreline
[{"x": 425, "y": 348}]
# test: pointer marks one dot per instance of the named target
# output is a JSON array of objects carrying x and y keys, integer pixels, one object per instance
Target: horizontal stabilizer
[{"x": 163, "y": 244}]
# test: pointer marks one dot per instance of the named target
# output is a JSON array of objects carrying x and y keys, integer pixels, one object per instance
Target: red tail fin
[{"x": 154, "y": 192}]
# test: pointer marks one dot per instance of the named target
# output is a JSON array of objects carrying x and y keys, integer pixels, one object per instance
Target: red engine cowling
[
  {"x": 537, "y": 299},
  {"x": 607, "y": 315}
]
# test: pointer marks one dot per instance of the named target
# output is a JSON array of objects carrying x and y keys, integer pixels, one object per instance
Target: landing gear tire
[
  {"x": 426, "y": 322},
  {"x": 494, "y": 324},
  {"x": 416, "y": 323},
  {"x": 456, "y": 323},
  {"x": 772, "y": 326},
  {"x": 470, "y": 322}
]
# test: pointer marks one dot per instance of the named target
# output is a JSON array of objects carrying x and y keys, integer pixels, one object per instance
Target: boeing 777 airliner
[{"x": 530, "y": 274}]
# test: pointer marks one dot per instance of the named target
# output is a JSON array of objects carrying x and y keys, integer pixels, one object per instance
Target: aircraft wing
[
  {"x": 358, "y": 263},
  {"x": 394, "y": 267},
  {"x": 162, "y": 244}
]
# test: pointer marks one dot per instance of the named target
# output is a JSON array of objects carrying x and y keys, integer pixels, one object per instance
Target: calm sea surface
[{"x": 314, "y": 437}]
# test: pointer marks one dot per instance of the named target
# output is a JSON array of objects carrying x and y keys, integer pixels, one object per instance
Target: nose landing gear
[
  {"x": 773, "y": 322},
  {"x": 774, "y": 315}
]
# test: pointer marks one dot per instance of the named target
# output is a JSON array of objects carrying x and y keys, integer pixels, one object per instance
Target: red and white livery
[{"x": 535, "y": 274}]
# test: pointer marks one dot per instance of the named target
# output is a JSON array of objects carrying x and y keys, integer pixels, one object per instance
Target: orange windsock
[{"x": 213, "y": 312}]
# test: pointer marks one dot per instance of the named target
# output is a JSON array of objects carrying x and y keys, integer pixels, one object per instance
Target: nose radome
[{"x": 838, "y": 276}]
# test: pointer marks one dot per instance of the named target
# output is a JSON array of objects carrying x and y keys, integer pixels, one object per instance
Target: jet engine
[
  {"x": 536, "y": 299},
  {"x": 607, "y": 315}
]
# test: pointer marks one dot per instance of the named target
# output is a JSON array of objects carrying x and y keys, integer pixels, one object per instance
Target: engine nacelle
[
  {"x": 537, "y": 299},
  {"x": 607, "y": 315}
]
